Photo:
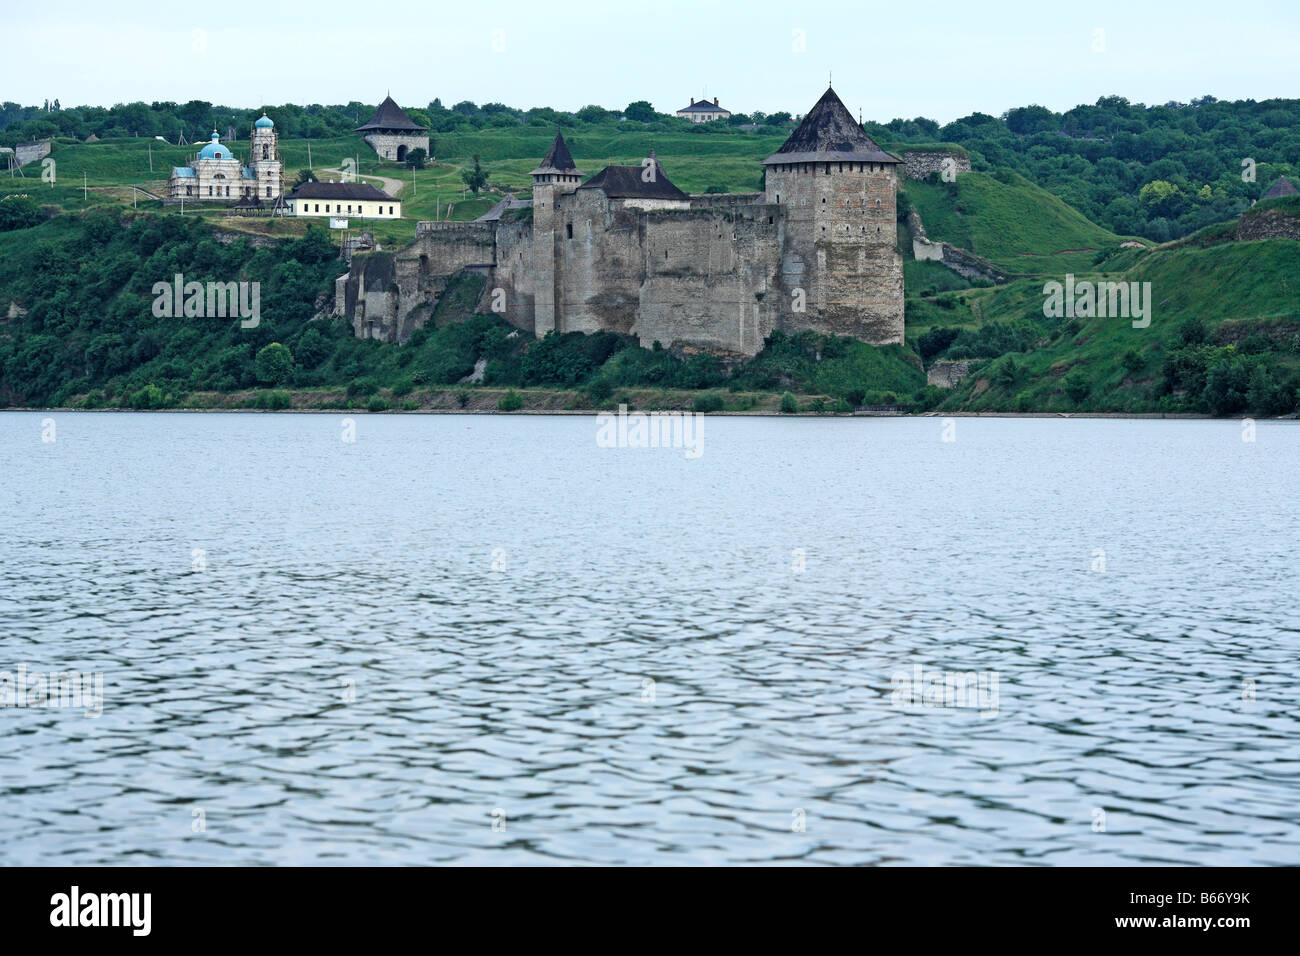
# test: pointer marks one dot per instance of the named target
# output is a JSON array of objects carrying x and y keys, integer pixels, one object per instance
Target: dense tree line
[{"x": 1155, "y": 171}]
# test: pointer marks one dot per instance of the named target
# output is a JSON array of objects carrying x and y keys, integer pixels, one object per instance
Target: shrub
[
  {"x": 312, "y": 348},
  {"x": 788, "y": 404},
  {"x": 1225, "y": 387},
  {"x": 273, "y": 364},
  {"x": 151, "y": 396},
  {"x": 362, "y": 386},
  {"x": 1077, "y": 387},
  {"x": 377, "y": 404},
  {"x": 933, "y": 342},
  {"x": 19, "y": 212},
  {"x": 403, "y": 386},
  {"x": 273, "y": 401},
  {"x": 510, "y": 401},
  {"x": 1192, "y": 332},
  {"x": 708, "y": 402},
  {"x": 462, "y": 398}
]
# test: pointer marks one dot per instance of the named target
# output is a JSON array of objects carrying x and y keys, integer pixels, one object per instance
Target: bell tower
[{"x": 264, "y": 160}]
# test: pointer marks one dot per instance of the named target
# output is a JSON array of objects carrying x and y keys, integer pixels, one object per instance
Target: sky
[{"x": 936, "y": 59}]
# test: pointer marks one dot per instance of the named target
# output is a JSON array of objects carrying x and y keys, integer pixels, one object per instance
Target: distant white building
[
  {"x": 360, "y": 200},
  {"x": 704, "y": 111},
  {"x": 216, "y": 174}
]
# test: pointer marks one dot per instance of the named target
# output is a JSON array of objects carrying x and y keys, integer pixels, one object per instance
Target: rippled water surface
[{"x": 624, "y": 655}]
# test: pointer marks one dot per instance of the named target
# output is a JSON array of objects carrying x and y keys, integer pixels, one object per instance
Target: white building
[
  {"x": 215, "y": 174},
  {"x": 704, "y": 111},
  {"x": 360, "y": 200}
]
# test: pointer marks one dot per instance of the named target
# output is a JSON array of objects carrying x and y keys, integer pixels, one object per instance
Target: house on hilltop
[
  {"x": 704, "y": 111},
  {"x": 392, "y": 134}
]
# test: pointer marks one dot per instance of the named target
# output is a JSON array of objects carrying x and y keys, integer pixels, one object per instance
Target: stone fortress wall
[{"x": 720, "y": 272}]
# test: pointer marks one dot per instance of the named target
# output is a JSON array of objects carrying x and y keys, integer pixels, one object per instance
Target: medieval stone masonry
[
  {"x": 628, "y": 251},
  {"x": 392, "y": 134}
]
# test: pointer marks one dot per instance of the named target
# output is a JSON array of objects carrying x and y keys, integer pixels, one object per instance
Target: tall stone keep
[
  {"x": 841, "y": 271},
  {"x": 558, "y": 175}
]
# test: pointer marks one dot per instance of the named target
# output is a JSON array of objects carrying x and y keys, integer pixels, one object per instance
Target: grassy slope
[
  {"x": 1250, "y": 285},
  {"x": 1016, "y": 225}
]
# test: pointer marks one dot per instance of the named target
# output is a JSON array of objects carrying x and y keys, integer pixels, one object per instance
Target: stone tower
[
  {"x": 841, "y": 271},
  {"x": 392, "y": 134},
  {"x": 556, "y": 176},
  {"x": 264, "y": 160}
]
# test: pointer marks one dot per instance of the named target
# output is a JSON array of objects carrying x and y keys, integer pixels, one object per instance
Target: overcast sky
[{"x": 936, "y": 59}]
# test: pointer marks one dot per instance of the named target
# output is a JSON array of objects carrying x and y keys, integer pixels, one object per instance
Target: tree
[
  {"x": 273, "y": 364},
  {"x": 474, "y": 178},
  {"x": 19, "y": 212},
  {"x": 305, "y": 176},
  {"x": 594, "y": 114},
  {"x": 416, "y": 158},
  {"x": 312, "y": 348},
  {"x": 1225, "y": 387},
  {"x": 640, "y": 112}
]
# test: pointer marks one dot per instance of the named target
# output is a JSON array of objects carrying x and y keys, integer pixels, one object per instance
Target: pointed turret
[
  {"x": 558, "y": 162},
  {"x": 829, "y": 133}
]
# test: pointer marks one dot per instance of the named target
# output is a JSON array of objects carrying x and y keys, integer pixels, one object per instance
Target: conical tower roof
[
  {"x": 829, "y": 133},
  {"x": 391, "y": 116},
  {"x": 558, "y": 159},
  {"x": 1281, "y": 187}
]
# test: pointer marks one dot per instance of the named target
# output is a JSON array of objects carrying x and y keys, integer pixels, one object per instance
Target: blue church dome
[
  {"x": 264, "y": 123},
  {"x": 214, "y": 150}
]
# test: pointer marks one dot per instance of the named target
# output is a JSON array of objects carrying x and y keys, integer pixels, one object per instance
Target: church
[{"x": 215, "y": 174}]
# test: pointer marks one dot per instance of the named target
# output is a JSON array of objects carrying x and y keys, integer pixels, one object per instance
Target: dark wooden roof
[
  {"x": 829, "y": 133},
  {"x": 625, "y": 182},
  {"x": 341, "y": 191},
  {"x": 391, "y": 116},
  {"x": 1282, "y": 187},
  {"x": 703, "y": 106},
  {"x": 558, "y": 159}
]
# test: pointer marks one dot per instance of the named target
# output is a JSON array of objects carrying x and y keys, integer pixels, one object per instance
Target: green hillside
[
  {"x": 1224, "y": 338},
  {"x": 1009, "y": 221}
]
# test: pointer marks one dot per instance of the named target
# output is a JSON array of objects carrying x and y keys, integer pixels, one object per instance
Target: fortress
[{"x": 628, "y": 251}]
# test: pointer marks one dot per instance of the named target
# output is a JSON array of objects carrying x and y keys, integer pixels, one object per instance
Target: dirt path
[{"x": 391, "y": 186}]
